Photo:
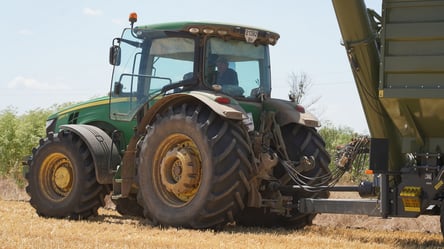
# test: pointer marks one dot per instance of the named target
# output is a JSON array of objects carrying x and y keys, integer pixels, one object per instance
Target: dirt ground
[{"x": 427, "y": 224}]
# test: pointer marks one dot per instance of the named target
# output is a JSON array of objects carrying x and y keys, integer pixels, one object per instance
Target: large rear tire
[
  {"x": 299, "y": 141},
  {"x": 61, "y": 178},
  {"x": 193, "y": 169}
]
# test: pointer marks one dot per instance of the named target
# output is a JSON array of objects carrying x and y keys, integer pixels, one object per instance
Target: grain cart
[
  {"x": 398, "y": 65},
  {"x": 183, "y": 143}
]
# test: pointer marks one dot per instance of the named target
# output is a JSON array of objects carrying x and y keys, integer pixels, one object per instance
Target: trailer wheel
[
  {"x": 61, "y": 178},
  {"x": 193, "y": 169},
  {"x": 299, "y": 141}
]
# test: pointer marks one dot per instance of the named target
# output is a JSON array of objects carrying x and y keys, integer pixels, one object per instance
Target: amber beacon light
[{"x": 133, "y": 17}]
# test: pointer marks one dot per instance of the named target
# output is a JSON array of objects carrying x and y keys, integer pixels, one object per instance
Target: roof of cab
[
  {"x": 264, "y": 35},
  {"x": 186, "y": 24}
]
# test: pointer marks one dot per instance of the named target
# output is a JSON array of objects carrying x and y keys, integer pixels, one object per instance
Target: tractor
[
  {"x": 194, "y": 139},
  {"x": 188, "y": 136}
]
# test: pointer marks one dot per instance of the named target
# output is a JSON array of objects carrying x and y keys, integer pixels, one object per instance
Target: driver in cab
[{"x": 225, "y": 75}]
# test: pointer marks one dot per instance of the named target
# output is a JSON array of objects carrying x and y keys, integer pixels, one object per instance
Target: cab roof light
[
  {"x": 208, "y": 31},
  {"x": 133, "y": 17},
  {"x": 193, "y": 30},
  {"x": 222, "y": 32}
]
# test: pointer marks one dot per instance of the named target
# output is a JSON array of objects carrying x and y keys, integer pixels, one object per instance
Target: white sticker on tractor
[
  {"x": 251, "y": 35},
  {"x": 248, "y": 122}
]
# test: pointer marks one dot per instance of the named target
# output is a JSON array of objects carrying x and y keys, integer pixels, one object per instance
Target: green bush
[
  {"x": 20, "y": 133},
  {"x": 9, "y": 144},
  {"x": 337, "y": 136}
]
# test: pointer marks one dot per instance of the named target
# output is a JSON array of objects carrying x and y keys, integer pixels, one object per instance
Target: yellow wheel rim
[
  {"x": 177, "y": 169},
  {"x": 56, "y": 176}
]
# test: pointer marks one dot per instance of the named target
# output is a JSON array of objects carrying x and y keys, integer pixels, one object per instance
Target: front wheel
[
  {"x": 61, "y": 178},
  {"x": 193, "y": 169}
]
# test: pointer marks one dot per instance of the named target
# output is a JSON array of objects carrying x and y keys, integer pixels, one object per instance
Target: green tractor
[{"x": 188, "y": 136}]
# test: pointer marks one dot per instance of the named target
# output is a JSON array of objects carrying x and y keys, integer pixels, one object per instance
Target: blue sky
[{"x": 57, "y": 51}]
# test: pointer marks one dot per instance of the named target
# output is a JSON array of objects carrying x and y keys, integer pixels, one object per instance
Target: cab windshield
[{"x": 239, "y": 68}]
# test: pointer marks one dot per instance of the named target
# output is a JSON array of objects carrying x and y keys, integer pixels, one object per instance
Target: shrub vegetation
[{"x": 21, "y": 133}]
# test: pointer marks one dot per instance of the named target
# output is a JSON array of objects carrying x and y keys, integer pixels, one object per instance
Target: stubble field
[{"x": 21, "y": 227}]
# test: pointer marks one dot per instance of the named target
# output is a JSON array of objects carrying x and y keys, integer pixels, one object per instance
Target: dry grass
[
  {"x": 21, "y": 227},
  {"x": 10, "y": 191}
]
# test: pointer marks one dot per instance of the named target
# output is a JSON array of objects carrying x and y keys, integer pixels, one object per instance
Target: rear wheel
[
  {"x": 61, "y": 178},
  {"x": 299, "y": 141},
  {"x": 193, "y": 169}
]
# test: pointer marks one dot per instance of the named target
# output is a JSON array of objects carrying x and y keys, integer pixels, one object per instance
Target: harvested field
[{"x": 21, "y": 227}]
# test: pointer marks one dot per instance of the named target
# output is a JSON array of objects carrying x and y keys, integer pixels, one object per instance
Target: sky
[{"x": 53, "y": 52}]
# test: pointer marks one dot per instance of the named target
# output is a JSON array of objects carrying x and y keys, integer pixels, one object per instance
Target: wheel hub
[
  {"x": 62, "y": 177},
  {"x": 180, "y": 172},
  {"x": 56, "y": 176}
]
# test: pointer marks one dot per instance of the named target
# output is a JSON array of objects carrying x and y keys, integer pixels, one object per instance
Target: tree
[
  {"x": 339, "y": 136},
  {"x": 300, "y": 85},
  {"x": 32, "y": 128},
  {"x": 20, "y": 134},
  {"x": 9, "y": 144}
]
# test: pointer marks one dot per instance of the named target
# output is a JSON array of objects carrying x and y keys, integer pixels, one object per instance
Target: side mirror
[{"x": 114, "y": 55}]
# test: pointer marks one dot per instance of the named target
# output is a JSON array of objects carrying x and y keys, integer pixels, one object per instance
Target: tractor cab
[{"x": 156, "y": 60}]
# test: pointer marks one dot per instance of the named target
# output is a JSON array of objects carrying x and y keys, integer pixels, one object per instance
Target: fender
[
  {"x": 231, "y": 110},
  {"x": 105, "y": 154},
  {"x": 287, "y": 112}
]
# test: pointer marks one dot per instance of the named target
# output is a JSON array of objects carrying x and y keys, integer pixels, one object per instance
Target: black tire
[
  {"x": 61, "y": 178},
  {"x": 211, "y": 190},
  {"x": 299, "y": 141}
]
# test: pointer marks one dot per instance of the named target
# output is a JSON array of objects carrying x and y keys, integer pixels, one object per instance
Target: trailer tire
[
  {"x": 193, "y": 168},
  {"x": 299, "y": 140},
  {"x": 61, "y": 178}
]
